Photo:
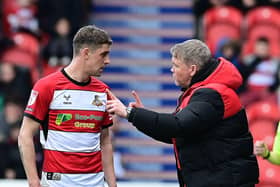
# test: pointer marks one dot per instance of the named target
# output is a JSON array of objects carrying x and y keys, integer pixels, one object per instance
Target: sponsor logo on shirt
[
  {"x": 67, "y": 99},
  {"x": 62, "y": 118},
  {"x": 53, "y": 176},
  {"x": 88, "y": 117},
  {"x": 84, "y": 125}
]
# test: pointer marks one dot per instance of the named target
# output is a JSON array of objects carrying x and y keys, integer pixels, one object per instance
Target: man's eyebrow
[{"x": 104, "y": 53}]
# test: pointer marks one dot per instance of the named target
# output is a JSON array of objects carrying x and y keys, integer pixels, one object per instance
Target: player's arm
[
  {"x": 27, "y": 151},
  {"x": 273, "y": 156},
  {"x": 107, "y": 157},
  {"x": 275, "y": 153}
]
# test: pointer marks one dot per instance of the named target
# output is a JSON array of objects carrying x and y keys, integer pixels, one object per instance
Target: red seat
[
  {"x": 219, "y": 23},
  {"x": 263, "y": 110},
  {"x": 263, "y": 130},
  {"x": 27, "y": 42},
  {"x": 269, "y": 174},
  {"x": 14, "y": 15},
  {"x": 262, "y": 22},
  {"x": 24, "y": 53}
]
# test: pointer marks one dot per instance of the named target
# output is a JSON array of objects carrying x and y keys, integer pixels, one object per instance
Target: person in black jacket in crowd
[{"x": 209, "y": 129}]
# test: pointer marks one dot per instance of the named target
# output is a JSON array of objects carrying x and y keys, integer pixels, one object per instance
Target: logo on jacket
[
  {"x": 62, "y": 118},
  {"x": 97, "y": 101}
]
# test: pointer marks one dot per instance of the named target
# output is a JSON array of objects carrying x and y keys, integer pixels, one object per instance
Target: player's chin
[{"x": 97, "y": 74}]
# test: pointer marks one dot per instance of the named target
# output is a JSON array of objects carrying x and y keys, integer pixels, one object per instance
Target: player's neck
[{"x": 76, "y": 72}]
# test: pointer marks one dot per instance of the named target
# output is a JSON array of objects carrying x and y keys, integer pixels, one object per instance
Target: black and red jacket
[{"x": 209, "y": 130}]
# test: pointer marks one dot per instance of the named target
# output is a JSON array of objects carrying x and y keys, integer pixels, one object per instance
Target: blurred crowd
[
  {"x": 247, "y": 33},
  {"x": 35, "y": 40}
]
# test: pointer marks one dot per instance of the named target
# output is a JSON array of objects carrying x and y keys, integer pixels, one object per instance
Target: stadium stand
[
  {"x": 262, "y": 22},
  {"x": 143, "y": 32},
  {"x": 263, "y": 117},
  {"x": 221, "y": 23},
  {"x": 24, "y": 53},
  {"x": 269, "y": 174}
]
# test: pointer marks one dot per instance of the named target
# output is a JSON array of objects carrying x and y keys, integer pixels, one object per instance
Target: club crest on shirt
[
  {"x": 33, "y": 96},
  {"x": 97, "y": 101}
]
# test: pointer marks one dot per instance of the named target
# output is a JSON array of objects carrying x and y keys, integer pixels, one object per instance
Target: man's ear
[{"x": 194, "y": 69}]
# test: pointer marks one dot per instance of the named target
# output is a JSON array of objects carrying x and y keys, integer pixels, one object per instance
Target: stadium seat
[
  {"x": 262, "y": 22},
  {"x": 269, "y": 174},
  {"x": 263, "y": 110},
  {"x": 263, "y": 130},
  {"x": 220, "y": 23},
  {"x": 24, "y": 53}
]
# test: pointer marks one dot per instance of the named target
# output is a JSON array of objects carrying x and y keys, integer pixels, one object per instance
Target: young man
[
  {"x": 73, "y": 127},
  {"x": 209, "y": 129}
]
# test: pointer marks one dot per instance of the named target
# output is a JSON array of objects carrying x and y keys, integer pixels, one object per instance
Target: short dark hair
[
  {"x": 263, "y": 39},
  {"x": 90, "y": 36}
]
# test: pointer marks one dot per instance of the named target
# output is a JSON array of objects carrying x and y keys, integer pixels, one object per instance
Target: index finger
[
  {"x": 111, "y": 95},
  {"x": 137, "y": 98}
]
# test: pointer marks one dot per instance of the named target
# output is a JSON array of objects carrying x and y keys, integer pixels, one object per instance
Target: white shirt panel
[
  {"x": 74, "y": 180},
  {"x": 78, "y": 100},
  {"x": 72, "y": 141}
]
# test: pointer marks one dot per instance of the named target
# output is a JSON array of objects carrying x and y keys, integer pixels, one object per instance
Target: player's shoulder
[
  {"x": 96, "y": 81},
  {"x": 49, "y": 80}
]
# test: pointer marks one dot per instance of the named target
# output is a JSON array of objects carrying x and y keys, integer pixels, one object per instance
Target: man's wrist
[{"x": 128, "y": 111}]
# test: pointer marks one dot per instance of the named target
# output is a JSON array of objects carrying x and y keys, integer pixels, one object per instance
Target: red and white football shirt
[{"x": 72, "y": 115}]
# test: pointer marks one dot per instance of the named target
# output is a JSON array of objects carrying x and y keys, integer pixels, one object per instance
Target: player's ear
[{"x": 85, "y": 53}]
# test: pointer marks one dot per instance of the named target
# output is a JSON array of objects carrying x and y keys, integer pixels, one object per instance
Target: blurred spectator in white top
[{"x": 261, "y": 73}]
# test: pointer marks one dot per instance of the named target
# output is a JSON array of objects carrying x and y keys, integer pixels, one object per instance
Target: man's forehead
[{"x": 103, "y": 48}]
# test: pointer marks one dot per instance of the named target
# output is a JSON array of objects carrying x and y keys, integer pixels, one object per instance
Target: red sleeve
[{"x": 39, "y": 101}]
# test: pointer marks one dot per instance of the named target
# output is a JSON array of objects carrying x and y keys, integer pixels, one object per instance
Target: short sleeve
[{"x": 39, "y": 100}]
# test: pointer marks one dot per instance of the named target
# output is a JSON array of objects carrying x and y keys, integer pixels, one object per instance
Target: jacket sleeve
[
  {"x": 274, "y": 157},
  {"x": 205, "y": 108}
]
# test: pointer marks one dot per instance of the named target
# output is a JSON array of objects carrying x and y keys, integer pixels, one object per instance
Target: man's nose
[{"x": 107, "y": 60}]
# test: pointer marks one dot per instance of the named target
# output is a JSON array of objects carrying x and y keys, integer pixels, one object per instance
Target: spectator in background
[
  {"x": 10, "y": 120},
  {"x": 260, "y": 73},
  {"x": 75, "y": 11},
  {"x": 15, "y": 80},
  {"x": 230, "y": 50},
  {"x": 59, "y": 49},
  {"x": 20, "y": 14},
  {"x": 14, "y": 168},
  {"x": 10, "y": 116}
]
